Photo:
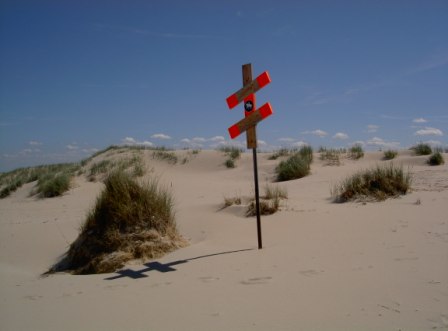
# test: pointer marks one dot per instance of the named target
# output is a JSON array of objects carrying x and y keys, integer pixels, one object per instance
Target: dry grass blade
[
  {"x": 378, "y": 184},
  {"x": 128, "y": 221}
]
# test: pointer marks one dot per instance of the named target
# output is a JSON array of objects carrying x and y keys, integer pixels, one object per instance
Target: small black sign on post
[{"x": 252, "y": 117}]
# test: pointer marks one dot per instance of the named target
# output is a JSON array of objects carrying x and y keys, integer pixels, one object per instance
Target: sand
[{"x": 323, "y": 266}]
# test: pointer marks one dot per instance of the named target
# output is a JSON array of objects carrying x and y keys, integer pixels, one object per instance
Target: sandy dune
[{"x": 324, "y": 266}]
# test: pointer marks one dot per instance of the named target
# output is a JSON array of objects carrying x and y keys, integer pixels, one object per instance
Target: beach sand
[{"x": 323, "y": 266}]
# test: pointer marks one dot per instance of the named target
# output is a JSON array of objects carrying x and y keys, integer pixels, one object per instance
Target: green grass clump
[
  {"x": 10, "y": 186},
  {"x": 331, "y": 156},
  {"x": 378, "y": 184},
  {"x": 306, "y": 152},
  {"x": 233, "y": 154},
  {"x": 53, "y": 184},
  {"x": 53, "y": 180},
  {"x": 128, "y": 221},
  {"x": 165, "y": 155},
  {"x": 356, "y": 152},
  {"x": 422, "y": 149},
  {"x": 390, "y": 154},
  {"x": 275, "y": 192},
  {"x": 230, "y": 163},
  {"x": 436, "y": 159},
  {"x": 231, "y": 201},
  {"x": 232, "y": 151},
  {"x": 99, "y": 168},
  {"x": 296, "y": 166},
  {"x": 269, "y": 203}
]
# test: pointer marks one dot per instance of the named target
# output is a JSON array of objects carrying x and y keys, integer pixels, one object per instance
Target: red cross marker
[
  {"x": 254, "y": 86},
  {"x": 249, "y": 123}
]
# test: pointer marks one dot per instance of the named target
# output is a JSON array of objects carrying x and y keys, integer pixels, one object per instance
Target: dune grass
[
  {"x": 377, "y": 183},
  {"x": 356, "y": 152},
  {"x": 165, "y": 155},
  {"x": 269, "y": 202},
  {"x": 134, "y": 165},
  {"x": 390, "y": 154},
  {"x": 296, "y": 166},
  {"x": 422, "y": 149},
  {"x": 129, "y": 221},
  {"x": 436, "y": 159},
  {"x": 233, "y": 153},
  {"x": 52, "y": 180},
  {"x": 331, "y": 156}
]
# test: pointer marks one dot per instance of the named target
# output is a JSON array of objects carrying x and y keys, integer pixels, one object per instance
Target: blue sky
[{"x": 78, "y": 76}]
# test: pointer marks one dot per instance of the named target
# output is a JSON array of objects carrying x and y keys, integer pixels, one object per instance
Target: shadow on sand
[{"x": 161, "y": 267}]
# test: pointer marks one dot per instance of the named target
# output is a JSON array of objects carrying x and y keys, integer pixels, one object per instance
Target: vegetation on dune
[
  {"x": 55, "y": 179},
  {"x": 390, "y": 154},
  {"x": 436, "y": 159},
  {"x": 422, "y": 149},
  {"x": 233, "y": 153},
  {"x": 52, "y": 180},
  {"x": 331, "y": 156},
  {"x": 377, "y": 183},
  {"x": 134, "y": 165},
  {"x": 129, "y": 221},
  {"x": 269, "y": 202},
  {"x": 356, "y": 152},
  {"x": 296, "y": 166},
  {"x": 165, "y": 155}
]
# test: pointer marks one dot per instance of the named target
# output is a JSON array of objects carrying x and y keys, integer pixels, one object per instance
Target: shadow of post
[{"x": 164, "y": 267}]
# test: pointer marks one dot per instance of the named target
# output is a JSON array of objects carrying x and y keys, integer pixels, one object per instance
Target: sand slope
[{"x": 324, "y": 266}]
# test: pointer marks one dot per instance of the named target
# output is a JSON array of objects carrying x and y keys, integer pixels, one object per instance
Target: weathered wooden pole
[{"x": 251, "y": 136}]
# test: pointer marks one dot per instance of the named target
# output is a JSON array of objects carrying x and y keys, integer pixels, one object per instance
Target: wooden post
[
  {"x": 251, "y": 137},
  {"x": 249, "y": 106}
]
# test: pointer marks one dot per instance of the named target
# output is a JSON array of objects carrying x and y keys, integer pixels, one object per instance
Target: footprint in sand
[
  {"x": 256, "y": 281},
  {"x": 439, "y": 323},
  {"x": 310, "y": 272},
  {"x": 33, "y": 297},
  {"x": 208, "y": 279},
  {"x": 406, "y": 259}
]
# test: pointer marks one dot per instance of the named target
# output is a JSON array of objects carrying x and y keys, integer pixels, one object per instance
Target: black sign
[{"x": 248, "y": 106}]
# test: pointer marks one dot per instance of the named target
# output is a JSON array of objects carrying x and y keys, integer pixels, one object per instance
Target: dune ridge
[{"x": 324, "y": 266}]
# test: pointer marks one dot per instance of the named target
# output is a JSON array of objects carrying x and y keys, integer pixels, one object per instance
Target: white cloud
[
  {"x": 146, "y": 143},
  {"x": 419, "y": 120},
  {"x": 131, "y": 141},
  {"x": 379, "y": 142},
  {"x": 427, "y": 131},
  {"x": 286, "y": 140},
  {"x": 340, "y": 136},
  {"x": 160, "y": 136},
  {"x": 34, "y": 143},
  {"x": 371, "y": 128},
  {"x": 72, "y": 147},
  {"x": 217, "y": 138},
  {"x": 186, "y": 141},
  {"x": 318, "y": 132},
  {"x": 299, "y": 144},
  {"x": 262, "y": 142},
  {"x": 199, "y": 140}
]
